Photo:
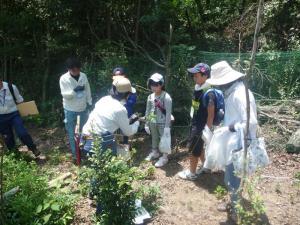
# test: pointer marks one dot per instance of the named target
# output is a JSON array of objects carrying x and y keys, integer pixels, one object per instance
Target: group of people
[{"x": 116, "y": 111}]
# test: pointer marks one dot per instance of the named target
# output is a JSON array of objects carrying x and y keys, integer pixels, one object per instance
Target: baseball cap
[
  {"x": 200, "y": 68},
  {"x": 157, "y": 77},
  {"x": 122, "y": 85},
  {"x": 120, "y": 71}
]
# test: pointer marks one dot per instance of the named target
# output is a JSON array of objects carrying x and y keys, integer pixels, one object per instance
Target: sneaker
[
  {"x": 203, "y": 170},
  {"x": 35, "y": 151},
  {"x": 161, "y": 162},
  {"x": 187, "y": 175},
  {"x": 153, "y": 155}
]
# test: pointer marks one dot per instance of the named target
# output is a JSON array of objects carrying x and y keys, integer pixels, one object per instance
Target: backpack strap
[{"x": 11, "y": 89}]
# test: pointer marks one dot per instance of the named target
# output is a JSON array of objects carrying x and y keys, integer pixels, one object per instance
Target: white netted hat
[{"x": 222, "y": 73}]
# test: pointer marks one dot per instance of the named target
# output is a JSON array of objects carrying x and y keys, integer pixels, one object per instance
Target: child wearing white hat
[{"x": 158, "y": 117}]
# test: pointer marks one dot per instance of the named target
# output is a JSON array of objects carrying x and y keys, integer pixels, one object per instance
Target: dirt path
[{"x": 186, "y": 202}]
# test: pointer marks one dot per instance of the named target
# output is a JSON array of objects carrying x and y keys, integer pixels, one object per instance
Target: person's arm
[
  {"x": 131, "y": 101},
  {"x": 123, "y": 122},
  {"x": 18, "y": 96},
  {"x": 88, "y": 92},
  {"x": 66, "y": 91},
  {"x": 210, "y": 109},
  {"x": 240, "y": 103},
  {"x": 168, "y": 107},
  {"x": 148, "y": 109}
]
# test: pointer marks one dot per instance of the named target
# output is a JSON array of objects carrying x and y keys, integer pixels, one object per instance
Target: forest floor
[{"x": 191, "y": 202}]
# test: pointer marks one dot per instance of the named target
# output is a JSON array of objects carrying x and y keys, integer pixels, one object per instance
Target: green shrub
[
  {"x": 220, "y": 192},
  {"x": 34, "y": 203},
  {"x": 112, "y": 180}
]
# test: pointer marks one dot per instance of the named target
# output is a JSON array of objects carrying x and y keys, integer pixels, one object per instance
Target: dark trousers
[{"x": 11, "y": 121}]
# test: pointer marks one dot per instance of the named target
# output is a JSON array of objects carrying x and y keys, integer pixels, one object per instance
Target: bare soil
[{"x": 193, "y": 202}]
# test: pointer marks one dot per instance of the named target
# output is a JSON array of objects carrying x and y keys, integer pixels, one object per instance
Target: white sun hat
[{"x": 222, "y": 73}]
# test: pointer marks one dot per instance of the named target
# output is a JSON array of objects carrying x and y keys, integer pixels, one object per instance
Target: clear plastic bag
[{"x": 257, "y": 157}]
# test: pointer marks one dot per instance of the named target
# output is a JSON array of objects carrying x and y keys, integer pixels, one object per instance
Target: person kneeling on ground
[
  {"x": 203, "y": 112},
  {"x": 109, "y": 115},
  {"x": 10, "y": 118},
  {"x": 131, "y": 99}
]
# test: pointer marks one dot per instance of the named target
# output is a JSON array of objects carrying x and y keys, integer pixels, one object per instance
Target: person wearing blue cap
[
  {"x": 202, "y": 114},
  {"x": 119, "y": 72}
]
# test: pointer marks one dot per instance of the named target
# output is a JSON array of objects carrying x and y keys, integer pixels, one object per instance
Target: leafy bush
[
  {"x": 34, "y": 203},
  {"x": 112, "y": 184}
]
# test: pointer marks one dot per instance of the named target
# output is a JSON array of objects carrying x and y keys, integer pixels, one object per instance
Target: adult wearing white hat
[
  {"x": 230, "y": 82},
  {"x": 110, "y": 114}
]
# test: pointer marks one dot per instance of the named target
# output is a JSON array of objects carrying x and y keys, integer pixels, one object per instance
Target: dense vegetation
[{"x": 36, "y": 36}]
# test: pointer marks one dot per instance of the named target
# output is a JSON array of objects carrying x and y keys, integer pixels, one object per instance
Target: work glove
[
  {"x": 136, "y": 125},
  {"x": 133, "y": 118},
  {"x": 167, "y": 132},
  {"x": 79, "y": 88},
  {"x": 206, "y": 135},
  {"x": 147, "y": 129}
]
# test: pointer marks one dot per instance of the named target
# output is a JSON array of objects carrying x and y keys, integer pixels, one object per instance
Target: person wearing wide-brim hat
[{"x": 230, "y": 82}]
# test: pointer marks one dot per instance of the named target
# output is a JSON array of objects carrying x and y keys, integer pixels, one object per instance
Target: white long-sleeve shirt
[
  {"x": 235, "y": 108},
  {"x": 73, "y": 101},
  {"x": 223, "y": 142},
  {"x": 7, "y": 103},
  {"x": 109, "y": 115}
]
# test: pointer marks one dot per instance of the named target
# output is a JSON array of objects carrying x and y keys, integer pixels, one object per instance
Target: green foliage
[
  {"x": 83, "y": 180},
  {"x": 150, "y": 196},
  {"x": 250, "y": 213},
  {"x": 34, "y": 203},
  {"x": 220, "y": 192},
  {"x": 56, "y": 210},
  {"x": 112, "y": 184}
]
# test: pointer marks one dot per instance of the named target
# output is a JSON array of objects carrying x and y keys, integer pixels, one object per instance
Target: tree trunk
[
  {"x": 168, "y": 58},
  {"x": 137, "y": 23}
]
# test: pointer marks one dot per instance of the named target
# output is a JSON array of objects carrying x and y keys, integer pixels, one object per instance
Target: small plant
[
  {"x": 35, "y": 203},
  {"x": 150, "y": 195},
  {"x": 149, "y": 173},
  {"x": 220, "y": 192},
  {"x": 251, "y": 212},
  {"x": 55, "y": 211}
]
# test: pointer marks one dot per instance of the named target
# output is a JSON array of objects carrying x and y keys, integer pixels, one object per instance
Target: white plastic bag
[
  {"x": 257, "y": 157},
  {"x": 165, "y": 142},
  {"x": 206, "y": 135},
  {"x": 218, "y": 152}
]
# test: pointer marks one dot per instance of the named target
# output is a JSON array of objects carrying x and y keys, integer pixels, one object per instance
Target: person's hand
[
  {"x": 232, "y": 128},
  {"x": 147, "y": 129},
  {"x": 136, "y": 125},
  {"x": 79, "y": 88},
  {"x": 133, "y": 118}
]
